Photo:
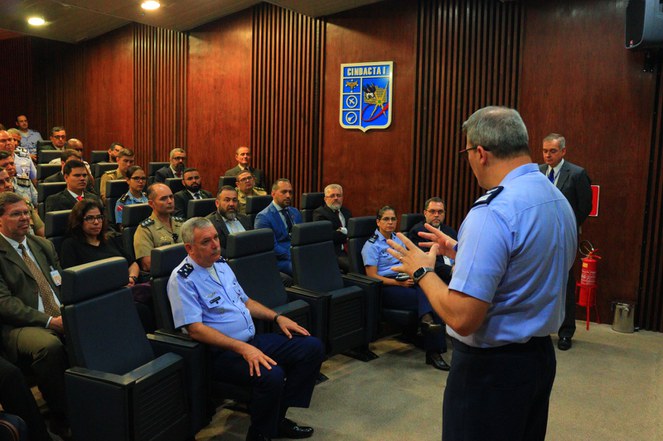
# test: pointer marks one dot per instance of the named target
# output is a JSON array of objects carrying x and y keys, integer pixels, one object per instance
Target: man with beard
[
  {"x": 36, "y": 224},
  {"x": 246, "y": 187},
  {"x": 338, "y": 215},
  {"x": 435, "y": 212},
  {"x": 192, "y": 190},
  {"x": 176, "y": 167},
  {"x": 226, "y": 219}
]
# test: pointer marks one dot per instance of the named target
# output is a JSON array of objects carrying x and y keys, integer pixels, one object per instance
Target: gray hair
[
  {"x": 561, "y": 141},
  {"x": 188, "y": 228},
  {"x": 499, "y": 130},
  {"x": 331, "y": 187},
  {"x": 176, "y": 150}
]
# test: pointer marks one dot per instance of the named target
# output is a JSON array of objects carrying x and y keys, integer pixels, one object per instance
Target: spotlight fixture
[
  {"x": 36, "y": 21},
  {"x": 150, "y": 5}
]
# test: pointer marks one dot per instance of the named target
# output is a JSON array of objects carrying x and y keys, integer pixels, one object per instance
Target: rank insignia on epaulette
[
  {"x": 373, "y": 238},
  {"x": 489, "y": 196},
  {"x": 147, "y": 222},
  {"x": 186, "y": 269},
  {"x": 179, "y": 219},
  {"x": 110, "y": 172},
  {"x": 124, "y": 198}
]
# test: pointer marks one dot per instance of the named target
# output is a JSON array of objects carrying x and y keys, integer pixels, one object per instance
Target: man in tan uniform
[
  {"x": 246, "y": 187},
  {"x": 125, "y": 159}
]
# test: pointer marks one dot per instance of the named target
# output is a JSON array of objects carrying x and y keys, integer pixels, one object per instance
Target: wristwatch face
[{"x": 418, "y": 274}]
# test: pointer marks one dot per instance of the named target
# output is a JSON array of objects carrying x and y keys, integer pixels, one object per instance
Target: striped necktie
[{"x": 45, "y": 292}]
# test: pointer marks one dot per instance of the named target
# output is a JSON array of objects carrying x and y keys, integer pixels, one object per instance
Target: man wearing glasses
[
  {"x": 58, "y": 137},
  {"x": 243, "y": 157},
  {"x": 176, "y": 167},
  {"x": 246, "y": 187}
]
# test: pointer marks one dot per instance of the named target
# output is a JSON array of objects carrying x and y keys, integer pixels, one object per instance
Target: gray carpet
[{"x": 609, "y": 386}]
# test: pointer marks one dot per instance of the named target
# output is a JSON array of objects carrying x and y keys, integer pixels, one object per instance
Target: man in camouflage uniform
[{"x": 246, "y": 187}]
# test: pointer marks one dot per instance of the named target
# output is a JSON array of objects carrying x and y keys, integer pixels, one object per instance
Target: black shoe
[
  {"x": 564, "y": 343},
  {"x": 60, "y": 427},
  {"x": 290, "y": 429},
  {"x": 254, "y": 435},
  {"x": 429, "y": 327},
  {"x": 435, "y": 359}
]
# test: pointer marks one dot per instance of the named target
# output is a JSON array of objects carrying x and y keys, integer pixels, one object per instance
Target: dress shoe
[
  {"x": 254, "y": 435},
  {"x": 60, "y": 427},
  {"x": 564, "y": 343},
  {"x": 429, "y": 327},
  {"x": 435, "y": 359},
  {"x": 290, "y": 429}
]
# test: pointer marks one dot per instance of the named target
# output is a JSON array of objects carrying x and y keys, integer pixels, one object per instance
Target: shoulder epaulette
[
  {"x": 147, "y": 222},
  {"x": 179, "y": 219},
  {"x": 186, "y": 269},
  {"x": 489, "y": 196},
  {"x": 258, "y": 188},
  {"x": 373, "y": 238},
  {"x": 124, "y": 198},
  {"x": 110, "y": 172}
]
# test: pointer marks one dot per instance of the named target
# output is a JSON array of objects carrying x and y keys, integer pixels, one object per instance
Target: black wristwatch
[{"x": 421, "y": 272}]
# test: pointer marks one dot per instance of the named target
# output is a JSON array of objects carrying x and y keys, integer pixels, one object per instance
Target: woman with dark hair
[
  {"x": 136, "y": 178},
  {"x": 399, "y": 290}
]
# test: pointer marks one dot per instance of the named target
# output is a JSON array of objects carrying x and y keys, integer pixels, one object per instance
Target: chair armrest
[
  {"x": 373, "y": 294},
  {"x": 150, "y": 368},
  {"x": 319, "y": 305}
]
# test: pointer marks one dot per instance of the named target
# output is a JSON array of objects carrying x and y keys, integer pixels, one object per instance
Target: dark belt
[{"x": 533, "y": 344}]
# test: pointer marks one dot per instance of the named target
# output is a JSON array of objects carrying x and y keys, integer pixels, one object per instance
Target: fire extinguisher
[{"x": 586, "y": 295}]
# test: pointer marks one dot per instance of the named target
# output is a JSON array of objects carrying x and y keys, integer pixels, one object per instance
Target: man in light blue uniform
[
  {"x": 208, "y": 302},
  {"x": 506, "y": 295}
]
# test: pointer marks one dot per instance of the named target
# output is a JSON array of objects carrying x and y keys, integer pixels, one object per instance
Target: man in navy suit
[
  {"x": 575, "y": 185},
  {"x": 176, "y": 167},
  {"x": 280, "y": 217}
]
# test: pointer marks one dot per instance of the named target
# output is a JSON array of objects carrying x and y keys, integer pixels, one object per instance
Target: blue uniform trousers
[
  {"x": 414, "y": 299},
  {"x": 289, "y": 383},
  {"x": 499, "y": 394}
]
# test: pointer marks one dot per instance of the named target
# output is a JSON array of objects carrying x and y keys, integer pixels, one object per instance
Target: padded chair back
[
  {"x": 100, "y": 168},
  {"x": 164, "y": 261},
  {"x": 44, "y": 190},
  {"x": 46, "y": 170},
  {"x": 132, "y": 216},
  {"x": 314, "y": 263},
  {"x": 227, "y": 180},
  {"x": 93, "y": 340},
  {"x": 311, "y": 201},
  {"x": 56, "y": 227},
  {"x": 97, "y": 156},
  {"x": 409, "y": 220},
  {"x": 200, "y": 207},
  {"x": 44, "y": 145},
  {"x": 152, "y": 167},
  {"x": 360, "y": 229},
  {"x": 175, "y": 184},
  {"x": 46, "y": 156},
  {"x": 114, "y": 191},
  {"x": 255, "y": 204}
]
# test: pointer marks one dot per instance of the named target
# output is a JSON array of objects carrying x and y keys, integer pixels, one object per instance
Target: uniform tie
[
  {"x": 45, "y": 292},
  {"x": 551, "y": 175},
  {"x": 288, "y": 221}
]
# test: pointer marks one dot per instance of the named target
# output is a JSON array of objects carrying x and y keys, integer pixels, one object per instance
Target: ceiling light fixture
[
  {"x": 36, "y": 21},
  {"x": 150, "y": 5}
]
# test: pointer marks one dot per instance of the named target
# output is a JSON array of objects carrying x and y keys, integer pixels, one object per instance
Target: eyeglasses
[
  {"x": 17, "y": 214},
  {"x": 246, "y": 179},
  {"x": 179, "y": 158},
  {"x": 436, "y": 211},
  {"x": 138, "y": 178},
  {"x": 91, "y": 219},
  {"x": 465, "y": 150},
  {"x": 59, "y": 136},
  {"x": 389, "y": 219}
]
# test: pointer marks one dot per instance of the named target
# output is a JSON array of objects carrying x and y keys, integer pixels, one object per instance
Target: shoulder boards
[
  {"x": 373, "y": 238},
  {"x": 179, "y": 219},
  {"x": 110, "y": 172},
  {"x": 124, "y": 198},
  {"x": 147, "y": 222},
  {"x": 489, "y": 196},
  {"x": 186, "y": 269},
  {"x": 256, "y": 188}
]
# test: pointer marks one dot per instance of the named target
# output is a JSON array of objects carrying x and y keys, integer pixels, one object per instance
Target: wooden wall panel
[
  {"x": 16, "y": 85},
  {"x": 578, "y": 80},
  {"x": 219, "y": 95}
]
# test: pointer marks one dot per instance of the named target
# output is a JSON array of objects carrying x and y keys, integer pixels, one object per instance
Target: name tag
[{"x": 55, "y": 275}]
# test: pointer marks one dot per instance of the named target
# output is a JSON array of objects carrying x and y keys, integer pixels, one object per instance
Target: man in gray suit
[
  {"x": 243, "y": 158},
  {"x": 575, "y": 185},
  {"x": 32, "y": 329}
]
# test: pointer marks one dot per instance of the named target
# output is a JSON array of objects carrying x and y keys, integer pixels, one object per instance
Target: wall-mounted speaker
[{"x": 644, "y": 24}]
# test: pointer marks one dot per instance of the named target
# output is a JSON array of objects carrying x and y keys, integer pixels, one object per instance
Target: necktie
[
  {"x": 79, "y": 198},
  {"x": 45, "y": 292},
  {"x": 288, "y": 221},
  {"x": 551, "y": 175},
  {"x": 196, "y": 195}
]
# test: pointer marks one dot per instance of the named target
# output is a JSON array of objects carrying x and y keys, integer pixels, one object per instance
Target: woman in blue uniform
[
  {"x": 402, "y": 293},
  {"x": 136, "y": 178}
]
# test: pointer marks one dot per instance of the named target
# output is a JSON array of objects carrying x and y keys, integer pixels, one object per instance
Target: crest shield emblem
[{"x": 366, "y": 101}]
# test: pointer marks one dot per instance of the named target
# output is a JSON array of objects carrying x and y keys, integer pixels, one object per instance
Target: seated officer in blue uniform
[{"x": 208, "y": 302}]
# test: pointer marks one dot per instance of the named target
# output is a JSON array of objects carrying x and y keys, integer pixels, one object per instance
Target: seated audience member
[
  {"x": 280, "y": 217},
  {"x": 226, "y": 219},
  {"x": 114, "y": 150},
  {"x": 16, "y": 398},
  {"x": 338, "y": 215},
  {"x": 161, "y": 228},
  {"x": 192, "y": 190},
  {"x": 29, "y": 307},
  {"x": 29, "y": 137},
  {"x": 26, "y": 189},
  {"x": 65, "y": 156},
  {"x": 245, "y": 188},
  {"x": 176, "y": 167},
  {"x": 401, "y": 292},
  {"x": 25, "y": 168},
  {"x": 75, "y": 175},
  {"x": 243, "y": 158},
  {"x": 435, "y": 212},
  {"x": 136, "y": 178},
  {"x": 36, "y": 224},
  {"x": 59, "y": 138},
  {"x": 210, "y": 304},
  {"x": 125, "y": 159}
]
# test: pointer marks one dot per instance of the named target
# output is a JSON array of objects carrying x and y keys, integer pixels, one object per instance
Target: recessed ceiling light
[
  {"x": 36, "y": 21},
  {"x": 150, "y": 5}
]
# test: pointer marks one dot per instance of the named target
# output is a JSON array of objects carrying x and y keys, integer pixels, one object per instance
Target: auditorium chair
[
  {"x": 115, "y": 189},
  {"x": 120, "y": 387},
  {"x": 255, "y": 204},
  {"x": 227, "y": 180},
  {"x": 46, "y": 156},
  {"x": 97, "y": 156},
  {"x": 99, "y": 169},
  {"x": 55, "y": 227},
  {"x": 132, "y": 216},
  {"x": 44, "y": 190},
  {"x": 200, "y": 207},
  {"x": 175, "y": 184},
  {"x": 311, "y": 201},
  {"x": 409, "y": 220},
  {"x": 46, "y": 170}
]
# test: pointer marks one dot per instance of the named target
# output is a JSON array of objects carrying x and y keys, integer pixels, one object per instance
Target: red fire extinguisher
[{"x": 587, "y": 286}]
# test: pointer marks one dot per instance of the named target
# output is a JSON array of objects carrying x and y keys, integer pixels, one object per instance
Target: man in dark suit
[
  {"x": 59, "y": 176},
  {"x": 280, "y": 217},
  {"x": 32, "y": 329},
  {"x": 226, "y": 219},
  {"x": 338, "y": 215},
  {"x": 243, "y": 158},
  {"x": 192, "y": 190},
  {"x": 75, "y": 175},
  {"x": 575, "y": 185},
  {"x": 176, "y": 167}
]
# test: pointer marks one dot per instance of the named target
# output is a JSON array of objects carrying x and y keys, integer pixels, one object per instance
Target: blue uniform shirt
[
  {"x": 127, "y": 199},
  {"x": 196, "y": 297},
  {"x": 515, "y": 250},
  {"x": 374, "y": 253},
  {"x": 29, "y": 141}
]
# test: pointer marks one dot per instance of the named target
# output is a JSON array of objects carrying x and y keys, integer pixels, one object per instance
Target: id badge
[{"x": 57, "y": 278}]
